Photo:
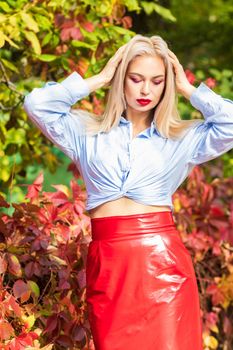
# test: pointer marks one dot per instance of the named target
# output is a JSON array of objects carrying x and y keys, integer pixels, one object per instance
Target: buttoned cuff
[{"x": 206, "y": 100}]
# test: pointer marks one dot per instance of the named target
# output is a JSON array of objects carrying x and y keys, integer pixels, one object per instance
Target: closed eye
[{"x": 155, "y": 82}]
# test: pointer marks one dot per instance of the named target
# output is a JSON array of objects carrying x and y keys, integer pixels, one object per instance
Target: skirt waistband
[{"x": 127, "y": 225}]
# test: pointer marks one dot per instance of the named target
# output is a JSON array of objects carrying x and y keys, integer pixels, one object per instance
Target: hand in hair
[
  {"x": 182, "y": 84},
  {"x": 109, "y": 70}
]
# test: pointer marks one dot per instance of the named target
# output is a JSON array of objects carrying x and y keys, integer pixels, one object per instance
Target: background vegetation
[{"x": 44, "y": 235}]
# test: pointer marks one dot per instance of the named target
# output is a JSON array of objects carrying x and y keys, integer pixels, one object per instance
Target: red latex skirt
[{"x": 141, "y": 286}]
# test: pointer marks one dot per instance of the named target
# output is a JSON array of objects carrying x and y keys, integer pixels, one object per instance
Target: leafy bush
[
  {"x": 43, "y": 257},
  {"x": 42, "y": 266},
  {"x": 47, "y": 40},
  {"x": 204, "y": 217}
]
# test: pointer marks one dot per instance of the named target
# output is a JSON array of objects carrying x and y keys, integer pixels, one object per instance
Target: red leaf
[
  {"x": 190, "y": 76},
  {"x": 76, "y": 189},
  {"x": 51, "y": 324},
  {"x": 65, "y": 340},
  {"x": 89, "y": 26},
  {"x": 78, "y": 333},
  {"x": 72, "y": 167},
  {"x": 57, "y": 198},
  {"x": 26, "y": 339},
  {"x": 217, "y": 210},
  {"x": 6, "y": 330},
  {"x": 211, "y": 318},
  {"x": 3, "y": 264},
  {"x": 79, "y": 207},
  {"x": 32, "y": 268},
  {"x": 217, "y": 296},
  {"x": 227, "y": 326},
  {"x": 127, "y": 22},
  {"x": 63, "y": 285},
  {"x": 3, "y": 203},
  {"x": 81, "y": 278},
  {"x": 14, "y": 306},
  {"x": 21, "y": 290},
  {"x": 217, "y": 248},
  {"x": 70, "y": 33},
  {"x": 211, "y": 82},
  {"x": 36, "y": 187}
]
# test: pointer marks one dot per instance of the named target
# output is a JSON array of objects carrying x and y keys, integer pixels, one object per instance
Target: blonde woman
[{"x": 141, "y": 286}]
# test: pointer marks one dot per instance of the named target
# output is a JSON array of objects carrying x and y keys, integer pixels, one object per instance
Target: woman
[{"x": 141, "y": 286}]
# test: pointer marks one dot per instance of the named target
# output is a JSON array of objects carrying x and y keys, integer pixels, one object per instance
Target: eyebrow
[{"x": 156, "y": 76}]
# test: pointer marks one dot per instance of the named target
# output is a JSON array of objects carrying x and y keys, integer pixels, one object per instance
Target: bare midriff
[{"x": 124, "y": 206}]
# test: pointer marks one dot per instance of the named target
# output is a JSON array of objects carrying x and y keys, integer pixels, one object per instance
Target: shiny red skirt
[{"x": 141, "y": 286}]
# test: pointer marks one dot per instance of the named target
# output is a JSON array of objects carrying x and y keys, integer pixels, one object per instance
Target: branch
[{"x": 7, "y": 81}]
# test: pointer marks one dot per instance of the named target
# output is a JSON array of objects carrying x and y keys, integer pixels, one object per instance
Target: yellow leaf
[
  {"x": 177, "y": 205},
  {"x": 29, "y": 321},
  {"x": 64, "y": 189},
  {"x": 2, "y": 39},
  {"x": 211, "y": 342},
  {"x": 214, "y": 328},
  {"x": 11, "y": 42},
  {"x": 5, "y": 175},
  {"x": 13, "y": 21},
  {"x": 29, "y": 21},
  {"x": 34, "y": 41},
  {"x": 2, "y": 18}
]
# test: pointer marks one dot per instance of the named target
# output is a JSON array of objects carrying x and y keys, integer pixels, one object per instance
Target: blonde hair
[{"x": 166, "y": 117}]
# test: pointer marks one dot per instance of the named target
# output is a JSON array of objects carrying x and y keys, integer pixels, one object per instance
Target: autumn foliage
[
  {"x": 42, "y": 266},
  {"x": 43, "y": 255}
]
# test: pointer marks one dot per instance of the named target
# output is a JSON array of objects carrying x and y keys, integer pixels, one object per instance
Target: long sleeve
[
  {"x": 49, "y": 108},
  {"x": 213, "y": 136}
]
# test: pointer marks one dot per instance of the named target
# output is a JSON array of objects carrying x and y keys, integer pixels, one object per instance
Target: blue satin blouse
[{"x": 147, "y": 168}]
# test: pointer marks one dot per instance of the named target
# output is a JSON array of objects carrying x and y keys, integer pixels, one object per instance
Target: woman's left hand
[{"x": 182, "y": 84}]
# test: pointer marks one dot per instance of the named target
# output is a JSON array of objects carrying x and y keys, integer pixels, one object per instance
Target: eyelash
[{"x": 138, "y": 81}]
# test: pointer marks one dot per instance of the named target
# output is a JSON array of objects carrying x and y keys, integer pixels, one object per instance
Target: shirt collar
[{"x": 153, "y": 128}]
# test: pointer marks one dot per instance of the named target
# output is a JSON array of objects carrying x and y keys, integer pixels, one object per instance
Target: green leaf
[
  {"x": 45, "y": 23},
  {"x": 31, "y": 36},
  {"x": 29, "y": 21},
  {"x": 132, "y": 5},
  {"x": 121, "y": 30},
  {"x": 16, "y": 136},
  {"x": 34, "y": 288},
  {"x": 47, "y": 58},
  {"x": 5, "y": 7},
  {"x": 46, "y": 39},
  {"x": 77, "y": 43},
  {"x": 65, "y": 63},
  {"x": 150, "y": 7},
  {"x": 9, "y": 65}
]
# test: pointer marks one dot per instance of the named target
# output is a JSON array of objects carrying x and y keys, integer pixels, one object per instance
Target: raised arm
[
  {"x": 49, "y": 108},
  {"x": 214, "y": 136}
]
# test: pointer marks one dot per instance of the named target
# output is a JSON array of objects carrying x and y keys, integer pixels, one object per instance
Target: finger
[{"x": 172, "y": 55}]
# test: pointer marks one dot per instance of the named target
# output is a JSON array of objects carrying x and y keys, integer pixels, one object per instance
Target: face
[{"x": 144, "y": 79}]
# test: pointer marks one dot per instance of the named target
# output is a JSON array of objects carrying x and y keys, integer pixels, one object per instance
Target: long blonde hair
[{"x": 166, "y": 117}]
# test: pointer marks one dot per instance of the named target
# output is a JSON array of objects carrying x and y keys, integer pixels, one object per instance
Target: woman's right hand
[
  {"x": 108, "y": 71},
  {"x": 105, "y": 76}
]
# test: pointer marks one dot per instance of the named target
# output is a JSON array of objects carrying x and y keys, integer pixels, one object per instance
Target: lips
[{"x": 143, "y": 101}]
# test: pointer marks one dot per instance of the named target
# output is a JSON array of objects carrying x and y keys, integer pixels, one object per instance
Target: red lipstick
[{"x": 143, "y": 101}]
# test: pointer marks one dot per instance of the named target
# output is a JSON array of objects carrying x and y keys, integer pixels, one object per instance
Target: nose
[{"x": 145, "y": 88}]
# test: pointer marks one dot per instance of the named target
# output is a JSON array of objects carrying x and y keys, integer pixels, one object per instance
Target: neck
[{"x": 139, "y": 119}]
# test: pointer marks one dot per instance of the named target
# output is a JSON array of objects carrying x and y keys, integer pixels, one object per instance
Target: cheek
[
  {"x": 130, "y": 91},
  {"x": 159, "y": 91}
]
